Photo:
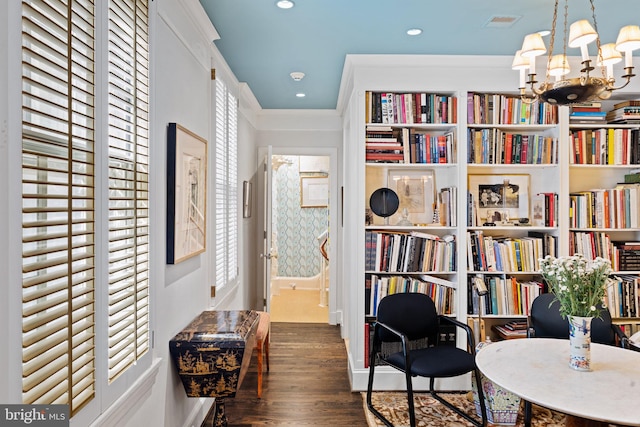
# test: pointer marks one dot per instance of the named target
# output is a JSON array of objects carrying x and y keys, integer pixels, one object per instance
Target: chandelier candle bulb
[{"x": 521, "y": 64}]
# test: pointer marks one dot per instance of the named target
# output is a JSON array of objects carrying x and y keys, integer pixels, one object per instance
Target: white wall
[{"x": 184, "y": 93}]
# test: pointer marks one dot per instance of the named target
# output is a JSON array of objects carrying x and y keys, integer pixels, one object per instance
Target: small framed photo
[
  {"x": 314, "y": 191},
  {"x": 416, "y": 190},
  {"x": 507, "y": 195}
]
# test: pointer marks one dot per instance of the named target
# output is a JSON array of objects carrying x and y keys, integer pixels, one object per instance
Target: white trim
[
  {"x": 199, "y": 16},
  {"x": 199, "y": 57},
  {"x": 131, "y": 400}
]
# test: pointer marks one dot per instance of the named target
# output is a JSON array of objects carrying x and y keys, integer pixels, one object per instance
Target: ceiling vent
[{"x": 501, "y": 21}]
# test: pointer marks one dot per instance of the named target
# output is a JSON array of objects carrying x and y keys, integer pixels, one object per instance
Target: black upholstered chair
[
  {"x": 545, "y": 321},
  {"x": 411, "y": 320}
]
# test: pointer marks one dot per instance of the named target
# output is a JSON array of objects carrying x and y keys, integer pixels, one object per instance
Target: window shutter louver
[
  {"x": 58, "y": 202},
  {"x": 226, "y": 186},
  {"x": 128, "y": 325}
]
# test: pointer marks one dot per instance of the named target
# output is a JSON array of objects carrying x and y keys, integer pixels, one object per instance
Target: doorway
[{"x": 299, "y": 281}]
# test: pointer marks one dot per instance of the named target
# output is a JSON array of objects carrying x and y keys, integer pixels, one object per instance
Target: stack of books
[
  {"x": 383, "y": 146},
  {"x": 587, "y": 112},
  {"x": 625, "y": 112}
]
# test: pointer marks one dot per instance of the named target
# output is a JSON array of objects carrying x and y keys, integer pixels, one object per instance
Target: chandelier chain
[
  {"x": 552, "y": 39},
  {"x": 595, "y": 27}
]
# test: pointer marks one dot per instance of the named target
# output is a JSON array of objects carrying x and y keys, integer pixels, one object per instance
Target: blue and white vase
[{"x": 580, "y": 343}]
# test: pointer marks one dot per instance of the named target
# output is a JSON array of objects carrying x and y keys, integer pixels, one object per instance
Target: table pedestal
[
  {"x": 216, "y": 417},
  {"x": 573, "y": 421}
]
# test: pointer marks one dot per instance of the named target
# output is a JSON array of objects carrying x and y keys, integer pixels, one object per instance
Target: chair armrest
[
  {"x": 403, "y": 337},
  {"x": 467, "y": 329}
]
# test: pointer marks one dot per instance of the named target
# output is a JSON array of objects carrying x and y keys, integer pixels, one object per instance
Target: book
[{"x": 628, "y": 103}]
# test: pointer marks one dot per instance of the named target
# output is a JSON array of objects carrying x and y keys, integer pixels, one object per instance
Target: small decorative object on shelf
[
  {"x": 579, "y": 286},
  {"x": 404, "y": 221},
  {"x": 384, "y": 202}
]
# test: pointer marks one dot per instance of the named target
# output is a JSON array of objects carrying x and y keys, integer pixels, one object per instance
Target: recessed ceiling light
[
  {"x": 297, "y": 75},
  {"x": 414, "y": 31},
  {"x": 300, "y": 95},
  {"x": 285, "y": 4}
]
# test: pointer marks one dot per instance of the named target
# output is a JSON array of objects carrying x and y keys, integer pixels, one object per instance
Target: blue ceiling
[{"x": 263, "y": 44}]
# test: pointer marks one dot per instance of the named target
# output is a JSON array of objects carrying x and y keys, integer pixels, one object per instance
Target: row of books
[
  {"x": 507, "y": 296},
  {"x": 497, "y": 253},
  {"x": 448, "y": 206},
  {"x": 484, "y": 108},
  {"x": 494, "y": 146},
  {"x": 409, "y": 252},
  {"x": 624, "y": 255},
  {"x": 605, "y": 146},
  {"x": 622, "y": 296},
  {"x": 591, "y": 244},
  {"x": 441, "y": 291},
  {"x": 544, "y": 210},
  {"x": 616, "y": 207},
  {"x": 391, "y": 107},
  {"x": 385, "y": 144}
]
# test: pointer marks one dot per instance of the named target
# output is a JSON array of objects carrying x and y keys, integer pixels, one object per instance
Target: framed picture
[
  {"x": 500, "y": 198},
  {"x": 314, "y": 191},
  {"x": 416, "y": 190},
  {"x": 186, "y": 194}
]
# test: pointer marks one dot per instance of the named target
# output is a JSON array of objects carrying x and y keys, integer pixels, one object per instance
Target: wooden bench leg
[
  {"x": 266, "y": 349},
  {"x": 259, "y": 354}
]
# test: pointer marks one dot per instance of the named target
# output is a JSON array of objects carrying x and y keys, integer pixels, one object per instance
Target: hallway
[{"x": 307, "y": 384}]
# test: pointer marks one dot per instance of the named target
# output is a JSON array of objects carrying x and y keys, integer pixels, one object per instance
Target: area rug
[{"x": 430, "y": 412}]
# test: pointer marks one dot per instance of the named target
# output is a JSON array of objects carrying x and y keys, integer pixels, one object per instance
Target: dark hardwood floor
[{"x": 307, "y": 384}]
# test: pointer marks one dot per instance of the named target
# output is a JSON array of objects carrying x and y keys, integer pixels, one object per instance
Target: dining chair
[{"x": 411, "y": 320}]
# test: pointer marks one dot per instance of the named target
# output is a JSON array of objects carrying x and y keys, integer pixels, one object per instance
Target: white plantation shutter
[
  {"x": 128, "y": 184},
  {"x": 58, "y": 202},
  {"x": 226, "y": 186}
]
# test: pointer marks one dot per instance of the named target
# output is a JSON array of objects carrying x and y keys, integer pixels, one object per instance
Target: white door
[{"x": 267, "y": 251}]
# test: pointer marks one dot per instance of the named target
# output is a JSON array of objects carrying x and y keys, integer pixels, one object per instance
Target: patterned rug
[{"x": 431, "y": 413}]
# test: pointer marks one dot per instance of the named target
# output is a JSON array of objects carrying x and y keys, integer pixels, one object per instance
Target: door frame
[{"x": 334, "y": 209}]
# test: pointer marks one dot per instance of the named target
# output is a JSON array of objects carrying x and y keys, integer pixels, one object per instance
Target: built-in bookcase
[{"x": 485, "y": 138}]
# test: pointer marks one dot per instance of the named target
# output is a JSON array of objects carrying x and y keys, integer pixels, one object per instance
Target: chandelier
[{"x": 565, "y": 90}]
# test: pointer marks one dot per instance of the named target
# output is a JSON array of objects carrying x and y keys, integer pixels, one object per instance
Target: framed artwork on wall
[
  {"x": 416, "y": 190},
  {"x": 186, "y": 194},
  {"x": 314, "y": 191},
  {"x": 501, "y": 198}
]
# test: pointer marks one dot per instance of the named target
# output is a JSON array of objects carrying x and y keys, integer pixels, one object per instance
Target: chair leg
[
  {"x": 373, "y": 410},
  {"x": 527, "y": 413},
  {"x": 411, "y": 405},
  {"x": 457, "y": 410}
]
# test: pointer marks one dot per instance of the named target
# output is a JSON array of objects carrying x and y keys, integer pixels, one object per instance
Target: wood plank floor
[{"x": 307, "y": 384}]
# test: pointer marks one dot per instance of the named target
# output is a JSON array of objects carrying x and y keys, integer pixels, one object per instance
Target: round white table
[{"x": 538, "y": 370}]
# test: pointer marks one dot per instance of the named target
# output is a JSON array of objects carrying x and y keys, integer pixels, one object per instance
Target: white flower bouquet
[{"x": 578, "y": 284}]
